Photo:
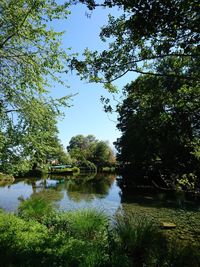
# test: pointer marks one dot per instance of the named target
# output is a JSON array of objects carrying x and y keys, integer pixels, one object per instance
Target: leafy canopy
[
  {"x": 31, "y": 58},
  {"x": 159, "y": 117},
  {"x": 89, "y": 148},
  {"x": 159, "y": 120},
  {"x": 144, "y": 34}
]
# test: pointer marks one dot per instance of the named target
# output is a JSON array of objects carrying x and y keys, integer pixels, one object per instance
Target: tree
[
  {"x": 142, "y": 36},
  {"x": 103, "y": 155},
  {"x": 30, "y": 59},
  {"x": 82, "y": 147},
  {"x": 27, "y": 142},
  {"x": 160, "y": 39},
  {"x": 159, "y": 120},
  {"x": 89, "y": 148}
]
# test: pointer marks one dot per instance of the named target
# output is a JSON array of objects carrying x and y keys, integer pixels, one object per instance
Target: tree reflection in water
[
  {"x": 45, "y": 189},
  {"x": 88, "y": 187}
]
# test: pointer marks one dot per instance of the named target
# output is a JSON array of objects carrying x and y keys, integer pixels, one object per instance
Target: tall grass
[
  {"x": 35, "y": 208},
  {"x": 139, "y": 239}
]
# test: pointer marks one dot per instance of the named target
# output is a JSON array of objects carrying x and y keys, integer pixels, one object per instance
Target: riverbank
[{"x": 39, "y": 236}]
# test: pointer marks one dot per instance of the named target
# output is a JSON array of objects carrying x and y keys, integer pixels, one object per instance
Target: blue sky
[{"x": 86, "y": 116}]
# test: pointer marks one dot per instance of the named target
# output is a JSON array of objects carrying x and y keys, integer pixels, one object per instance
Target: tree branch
[{"x": 21, "y": 25}]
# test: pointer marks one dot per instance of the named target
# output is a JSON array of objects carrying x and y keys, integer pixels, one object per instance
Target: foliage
[
  {"x": 159, "y": 117},
  {"x": 6, "y": 179},
  {"x": 86, "y": 238},
  {"x": 35, "y": 208},
  {"x": 86, "y": 165},
  {"x": 31, "y": 59},
  {"x": 159, "y": 120},
  {"x": 21, "y": 242},
  {"x": 103, "y": 155},
  {"x": 58, "y": 153},
  {"x": 140, "y": 240},
  {"x": 83, "y": 224},
  {"x": 145, "y": 33},
  {"x": 81, "y": 147},
  {"x": 89, "y": 148},
  {"x": 65, "y": 170}
]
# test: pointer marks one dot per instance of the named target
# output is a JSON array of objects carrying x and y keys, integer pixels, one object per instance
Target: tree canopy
[
  {"x": 159, "y": 117},
  {"x": 91, "y": 149},
  {"x": 160, "y": 121},
  {"x": 144, "y": 34},
  {"x": 31, "y": 58}
]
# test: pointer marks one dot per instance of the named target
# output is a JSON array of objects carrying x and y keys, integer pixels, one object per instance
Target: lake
[{"x": 107, "y": 192}]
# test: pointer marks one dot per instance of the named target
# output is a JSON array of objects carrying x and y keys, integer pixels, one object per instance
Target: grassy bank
[{"x": 39, "y": 236}]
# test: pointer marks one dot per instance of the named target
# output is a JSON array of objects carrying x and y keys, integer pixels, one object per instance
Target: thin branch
[{"x": 13, "y": 110}]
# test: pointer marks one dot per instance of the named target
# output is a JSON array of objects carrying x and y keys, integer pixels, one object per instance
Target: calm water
[
  {"x": 109, "y": 194},
  {"x": 66, "y": 192}
]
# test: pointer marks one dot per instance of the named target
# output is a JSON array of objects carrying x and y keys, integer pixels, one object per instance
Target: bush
[{"x": 21, "y": 242}]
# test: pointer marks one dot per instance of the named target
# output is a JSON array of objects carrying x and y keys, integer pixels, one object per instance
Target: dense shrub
[
  {"x": 21, "y": 243},
  {"x": 86, "y": 165}
]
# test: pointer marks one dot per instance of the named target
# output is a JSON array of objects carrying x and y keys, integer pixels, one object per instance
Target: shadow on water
[
  {"x": 179, "y": 208},
  {"x": 148, "y": 196}
]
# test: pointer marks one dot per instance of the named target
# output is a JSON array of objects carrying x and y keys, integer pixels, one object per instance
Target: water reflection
[
  {"x": 146, "y": 196},
  {"x": 66, "y": 191},
  {"x": 83, "y": 189},
  {"x": 104, "y": 193}
]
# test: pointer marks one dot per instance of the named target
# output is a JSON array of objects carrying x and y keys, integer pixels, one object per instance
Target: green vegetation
[
  {"x": 86, "y": 238},
  {"x": 72, "y": 170},
  {"x": 31, "y": 60},
  {"x": 144, "y": 35},
  {"x": 157, "y": 119},
  {"x": 35, "y": 208},
  {"x": 88, "y": 148},
  {"x": 108, "y": 169},
  {"x": 6, "y": 179},
  {"x": 86, "y": 165},
  {"x": 159, "y": 116}
]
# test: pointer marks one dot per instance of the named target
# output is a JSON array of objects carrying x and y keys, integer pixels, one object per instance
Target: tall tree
[
  {"x": 89, "y": 148},
  {"x": 81, "y": 147},
  {"x": 30, "y": 59},
  {"x": 159, "y": 117},
  {"x": 103, "y": 155},
  {"x": 159, "y": 120}
]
